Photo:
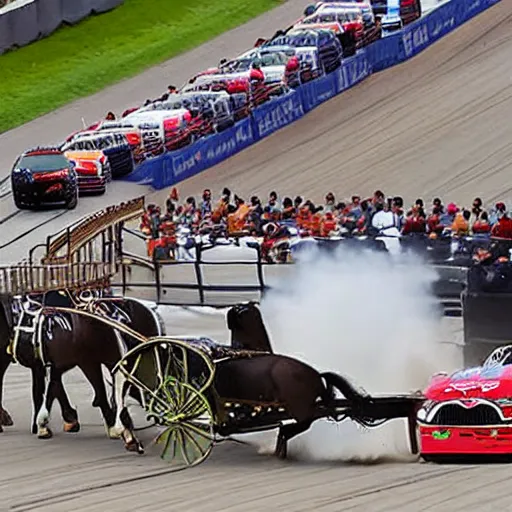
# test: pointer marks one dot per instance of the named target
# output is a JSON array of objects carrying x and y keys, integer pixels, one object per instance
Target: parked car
[
  {"x": 114, "y": 148},
  {"x": 357, "y": 17},
  {"x": 212, "y": 111},
  {"x": 395, "y": 15},
  {"x": 330, "y": 50},
  {"x": 44, "y": 176},
  {"x": 162, "y": 129}
]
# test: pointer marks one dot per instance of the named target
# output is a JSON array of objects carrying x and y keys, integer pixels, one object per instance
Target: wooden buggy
[{"x": 176, "y": 382}]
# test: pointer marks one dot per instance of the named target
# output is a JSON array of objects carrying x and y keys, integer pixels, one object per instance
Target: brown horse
[
  {"x": 69, "y": 340},
  {"x": 305, "y": 394},
  {"x": 247, "y": 328}
]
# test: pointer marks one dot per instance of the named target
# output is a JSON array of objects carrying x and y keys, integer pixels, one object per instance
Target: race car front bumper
[
  {"x": 465, "y": 440},
  {"x": 391, "y": 23},
  {"x": 91, "y": 183}
]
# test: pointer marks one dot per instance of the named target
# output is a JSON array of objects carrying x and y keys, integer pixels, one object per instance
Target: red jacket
[
  {"x": 503, "y": 228},
  {"x": 414, "y": 225}
]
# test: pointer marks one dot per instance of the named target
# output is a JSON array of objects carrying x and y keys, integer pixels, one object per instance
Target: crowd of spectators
[{"x": 232, "y": 216}]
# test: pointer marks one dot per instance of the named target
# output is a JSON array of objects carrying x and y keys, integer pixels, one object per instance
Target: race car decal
[
  {"x": 441, "y": 435},
  {"x": 463, "y": 387}
]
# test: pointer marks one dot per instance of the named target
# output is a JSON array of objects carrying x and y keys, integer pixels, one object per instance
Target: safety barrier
[
  {"x": 25, "y": 21},
  {"x": 176, "y": 166},
  {"x": 207, "y": 282}
]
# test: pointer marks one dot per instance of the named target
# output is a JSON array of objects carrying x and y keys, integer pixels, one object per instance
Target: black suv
[{"x": 44, "y": 176}]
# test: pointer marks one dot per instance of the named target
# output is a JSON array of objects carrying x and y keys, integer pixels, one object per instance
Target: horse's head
[{"x": 247, "y": 328}]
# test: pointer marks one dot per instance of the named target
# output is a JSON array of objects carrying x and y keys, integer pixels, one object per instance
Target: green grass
[{"x": 77, "y": 61}]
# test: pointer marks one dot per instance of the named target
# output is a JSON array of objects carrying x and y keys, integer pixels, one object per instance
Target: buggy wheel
[{"x": 186, "y": 417}]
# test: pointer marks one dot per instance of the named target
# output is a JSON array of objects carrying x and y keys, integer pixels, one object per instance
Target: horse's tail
[{"x": 335, "y": 381}]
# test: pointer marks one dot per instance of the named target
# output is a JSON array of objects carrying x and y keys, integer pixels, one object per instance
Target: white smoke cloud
[{"x": 368, "y": 319}]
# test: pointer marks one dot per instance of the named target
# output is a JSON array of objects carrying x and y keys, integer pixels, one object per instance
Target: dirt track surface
[{"x": 439, "y": 124}]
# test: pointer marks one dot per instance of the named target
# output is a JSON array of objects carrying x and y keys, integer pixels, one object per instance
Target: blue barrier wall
[{"x": 177, "y": 166}]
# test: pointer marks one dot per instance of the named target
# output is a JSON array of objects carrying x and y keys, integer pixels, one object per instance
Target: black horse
[{"x": 69, "y": 340}]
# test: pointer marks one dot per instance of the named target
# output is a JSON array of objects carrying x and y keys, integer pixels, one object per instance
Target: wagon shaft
[{"x": 380, "y": 408}]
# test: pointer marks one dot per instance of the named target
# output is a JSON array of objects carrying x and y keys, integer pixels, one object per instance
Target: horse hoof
[
  {"x": 34, "y": 429},
  {"x": 134, "y": 446},
  {"x": 72, "y": 428},
  {"x": 115, "y": 432},
  {"x": 44, "y": 433},
  {"x": 5, "y": 418}
]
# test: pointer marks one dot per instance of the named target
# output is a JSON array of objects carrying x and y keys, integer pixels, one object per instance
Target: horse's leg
[
  {"x": 38, "y": 392},
  {"x": 69, "y": 413},
  {"x": 123, "y": 423},
  {"x": 94, "y": 375},
  {"x": 5, "y": 418},
  {"x": 288, "y": 432},
  {"x": 43, "y": 416}
]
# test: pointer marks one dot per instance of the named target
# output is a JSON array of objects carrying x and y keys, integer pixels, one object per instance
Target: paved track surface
[{"x": 433, "y": 125}]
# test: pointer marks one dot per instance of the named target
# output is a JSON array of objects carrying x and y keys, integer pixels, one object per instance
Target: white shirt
[{"x": 383, "y": 220}]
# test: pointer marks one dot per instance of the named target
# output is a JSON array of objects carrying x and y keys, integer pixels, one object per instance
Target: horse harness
[{"x": 34, "y": 319}]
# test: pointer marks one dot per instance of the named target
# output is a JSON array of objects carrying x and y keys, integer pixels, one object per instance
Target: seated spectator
[
  {"x": 330, "y": 201},
  {"x": 503, "y": 228},
  {"x": 328, "y": 225},
  {"x": 482, "y": 225},
  {"x": 415, "y": 222},
  {"x": 438, "y": 204},
  {"x": 447, "y": 218},
  {"x": 433, "y": 221},
  {"x": 476, "y": 210},
  {"x": 460, "y": 226}
]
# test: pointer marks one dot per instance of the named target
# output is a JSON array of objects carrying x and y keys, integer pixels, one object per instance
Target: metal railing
[{"x": 167, "y": 280}]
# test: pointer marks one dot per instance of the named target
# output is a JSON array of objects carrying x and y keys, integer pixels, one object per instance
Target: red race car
[{"x": 469, "y": 412}]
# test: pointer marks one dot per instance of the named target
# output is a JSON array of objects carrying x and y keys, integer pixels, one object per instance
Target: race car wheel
[
  {"x": 18, "y": 202},
  {"x": 73, "y": 201}
]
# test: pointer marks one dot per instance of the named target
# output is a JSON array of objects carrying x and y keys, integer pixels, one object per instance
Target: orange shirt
[
  {"x": 241, "y": 216},
  {"x": 460, "y": 225},
  {"x": 232, "y": 223}
]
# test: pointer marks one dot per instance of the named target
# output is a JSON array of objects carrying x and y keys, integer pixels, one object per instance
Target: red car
[{"x": 469, "y": 412}]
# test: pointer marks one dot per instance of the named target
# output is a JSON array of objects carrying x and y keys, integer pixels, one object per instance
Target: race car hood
[
  {"x": 271, "y": 73},
  {"x": 488, "y": 382},
  {"x": 335, "y": 27}
]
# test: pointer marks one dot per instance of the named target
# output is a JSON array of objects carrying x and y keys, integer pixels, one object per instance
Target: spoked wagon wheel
[
  {"x": 172, "y": 378},
  {"x": 187, "y": 421}
]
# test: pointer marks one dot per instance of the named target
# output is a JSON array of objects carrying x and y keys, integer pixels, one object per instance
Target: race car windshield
[
  {"x": 239, "y": 65},
  {"x": 274, "y": 59},
  {"x": 44, "y": 163}
]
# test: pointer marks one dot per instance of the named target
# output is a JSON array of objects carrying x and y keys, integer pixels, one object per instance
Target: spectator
[
  {"x": 482, "y": 225},
  {"x": 206, "y": 205},
  {"x": 437, "y": 203},
  {"x": 330, "y": 201},
  {"x": 460, "y": 226},
  {"x": 476, "y": 210},
  {"x": 503, "y": 228},
  {"x": 446, "y": 219}
]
